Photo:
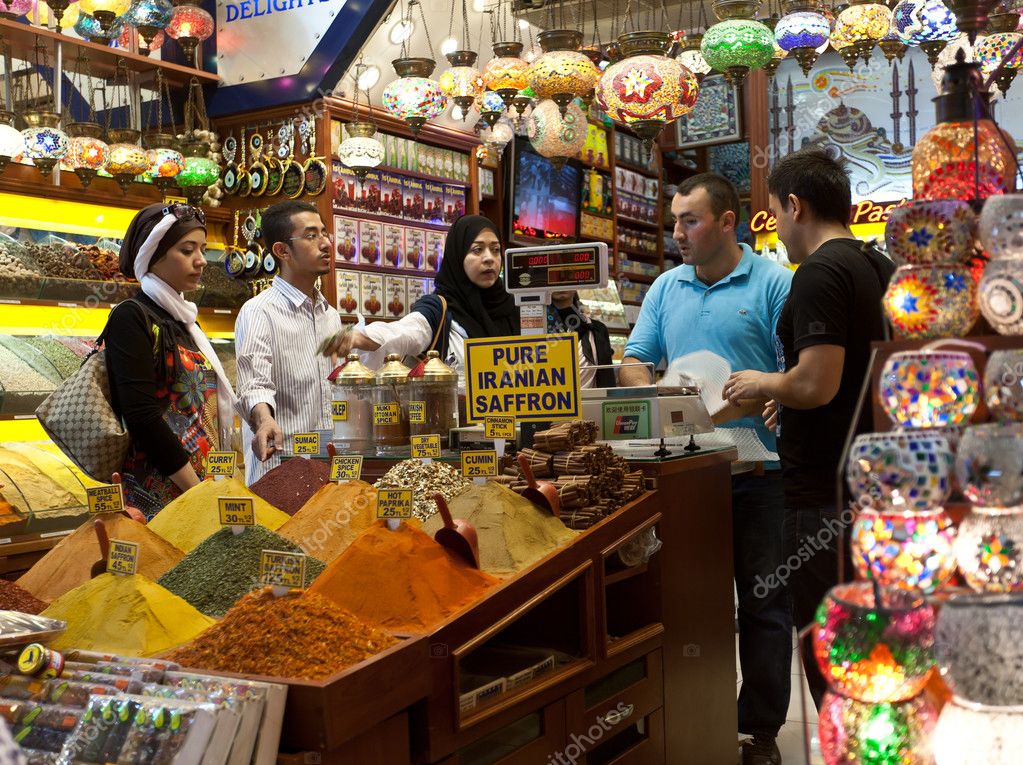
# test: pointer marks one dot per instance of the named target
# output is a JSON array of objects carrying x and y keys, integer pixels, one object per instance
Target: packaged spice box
[{"x": 346, "y": 238}]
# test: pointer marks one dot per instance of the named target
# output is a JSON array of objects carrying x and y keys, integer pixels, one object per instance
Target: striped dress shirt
[{"x": 278, "y": 334}]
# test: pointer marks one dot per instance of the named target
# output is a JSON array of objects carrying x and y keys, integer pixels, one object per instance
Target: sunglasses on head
[{"x": 185, "y": 212}]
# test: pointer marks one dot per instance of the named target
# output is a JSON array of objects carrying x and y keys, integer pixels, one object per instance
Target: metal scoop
[
  {"x": 543, "y": 494},
  {"x": 100, "y": 566},
  {"x": 457, "y": 536}
]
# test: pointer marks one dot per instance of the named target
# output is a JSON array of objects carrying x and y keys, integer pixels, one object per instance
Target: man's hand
[
  {"x": 744, "y": 385},
  {"x": 770, "y": 414},
  {"x": 733, "y": 411},
  {"x": 268, "y": 436},
  {"x": 344, "y": 342}
]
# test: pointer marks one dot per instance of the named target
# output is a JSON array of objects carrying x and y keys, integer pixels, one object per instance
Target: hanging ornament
[
  {"x": 865, "y": 24},
  {"x": 190, "y": 25},
  {"x": 506, "y": 74},
  {"x": 200, "y": 171},
  {"x": 522, "y": 101},
  {"x": 65, "y": 13},
  {"x": 462, "y": 82},
  {"x": 150, "y": 18},
  {"x": 647, "y": 90},
  {"x": 878, "y": 733},
  {"x": 557, "y": 137},
  {"x": 361, "y": 151},
  {"x": 88, "y": 28},
  {"x": 87, "y": 153},
  {"x": 562, "y": 73},
  {"x": 992, "y": 50},
  {"x": 145, "y": 47},
  {"x": 737, "y": 44},
  {"x": 126, "y": 159},
  {"x": 692, "y": 58},
  {"x": 928, "y": 24},
  {"x": 45, "y": 142},
  {"x": 892, "y": 46},
  {"x": 971, "y": 15},
  {"x": 490, "y": 106},
  {"x": 801, "y": 31},
  {"x": 166, "y": 163},
  {"x": 104, "y": 11},
  {"x": 414, "y": 97},
  {"x": 12, "y": 143},
  {"x": 15, "y": 9}
]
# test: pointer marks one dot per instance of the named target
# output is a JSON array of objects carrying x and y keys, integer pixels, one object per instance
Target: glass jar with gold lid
[
  {"x": 390, "y": 407},
  {"x": 433, "y": 399},
  {"x": 352, "y": 411}
]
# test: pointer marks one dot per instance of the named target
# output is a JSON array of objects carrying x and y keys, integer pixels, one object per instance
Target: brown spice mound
[
  {"x": 290, "y": 485},
  {"x": 14, "y": 598},
  {"x": 332, "y": 518},
  {"x": 298, "y": 635}
]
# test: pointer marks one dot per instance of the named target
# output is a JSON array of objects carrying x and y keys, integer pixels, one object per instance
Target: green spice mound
[{"x": 226, "y": 566}]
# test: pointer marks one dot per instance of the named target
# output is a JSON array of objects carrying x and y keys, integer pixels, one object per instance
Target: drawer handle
[{"x": 615, "y": 716}]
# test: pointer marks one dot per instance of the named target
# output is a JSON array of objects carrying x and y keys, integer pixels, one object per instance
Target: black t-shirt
[{"x": 835, "y": 299}]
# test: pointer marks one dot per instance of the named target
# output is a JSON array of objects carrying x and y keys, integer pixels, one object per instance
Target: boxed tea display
[
  {"x": 371, "y": 235},
  {"x": 371, "y": 287},
  {"x": 348, "y": 291},
  {"x": 346, "y": 238},
  {"x": 397, "y": 296},
  {"x": 394, "y": 245}
]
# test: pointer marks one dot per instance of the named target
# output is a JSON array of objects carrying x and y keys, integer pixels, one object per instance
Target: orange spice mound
[
  {"x": 297, "y": 635},
  {"x": 401, "y": 580}
]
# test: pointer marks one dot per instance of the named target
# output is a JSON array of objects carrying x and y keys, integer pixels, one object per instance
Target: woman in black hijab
[{"x": 469, "y": 301}]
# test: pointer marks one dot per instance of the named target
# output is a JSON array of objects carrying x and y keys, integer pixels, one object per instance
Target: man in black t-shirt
[{"x": 832, "y": 315}]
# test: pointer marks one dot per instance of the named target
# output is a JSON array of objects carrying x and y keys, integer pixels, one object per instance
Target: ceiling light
[
  {"x": 450, "y": 45},
  {"x": 369, "y": 77},
  {"x": 401, "y": 31},
  {"x": 478, "y": 5},
  {"x": 523, "y": 25}
]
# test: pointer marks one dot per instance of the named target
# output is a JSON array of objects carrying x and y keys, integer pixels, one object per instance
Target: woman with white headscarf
[{"x": 166, "y": 382}]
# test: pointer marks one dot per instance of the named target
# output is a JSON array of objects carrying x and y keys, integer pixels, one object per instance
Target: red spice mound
[
  {"x": 14, "y": 598},
  {"x": 290, "y": 485}
]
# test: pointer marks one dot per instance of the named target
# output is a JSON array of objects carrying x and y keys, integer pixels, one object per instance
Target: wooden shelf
[
  {"x": 635, "y": 222},
  {"x": 641, "y": 278},
  {"x": 592, "y": 166},
  {"x": 596, "y": 215},
  {"x": 637, "y": 169},
  {"x": 102, "y": 59},
  {"x": 420, "y": 176},
  {"x": 628, "y": 573},
  {"x": 387, "y": 270},
  {"x": 638, "y": 253}
]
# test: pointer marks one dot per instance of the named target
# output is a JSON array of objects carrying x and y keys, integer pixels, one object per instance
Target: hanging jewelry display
[
  {"x": 230, "y": 175},
  {"x": 257, "y": 169},
  {"x": 244, "y": 182},
  {"x": 201, "y": 169},
  {"x": 234, "y": 256},
  {"x": 253, "y": 250},
  {"x": 294, "y": 173},
  {"x": 274, "y": 167},
  {"x": 314, "y": 170}
]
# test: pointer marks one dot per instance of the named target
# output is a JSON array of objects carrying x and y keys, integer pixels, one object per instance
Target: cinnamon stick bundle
[{"x": 540, "y": 462}]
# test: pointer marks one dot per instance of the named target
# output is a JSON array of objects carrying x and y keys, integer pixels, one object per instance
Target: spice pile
[
  {"x": 298, "y": 635},
  {"x": 226, "y": 566},
  {"x": 16, "y": 278},
  {"x": 401, "y": 580},
  {"x": 17, "y": 376},
  {"x": 125, "y": 615},
  {"x": 27, "y": 487},
  {"x": 60, "y": 356},
  {"x": 290, "y": 485},
  {"x": 194, "y": 515},
  {"x": 103, "y": 260},
  {"x": 69, "y": 564},
  {"x": 513, "y": 533},
  {"x": 592, "y": 481},
  {"x": 14, "y": 598},
  {"x": 332, "y": 518},
  {"x": 425, "y": 481}
]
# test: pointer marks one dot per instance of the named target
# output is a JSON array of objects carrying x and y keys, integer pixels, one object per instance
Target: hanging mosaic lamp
[
  {"x": 150, "y": 18},
  {"x": 801, "y": 31},
  {"x": 928, "y": 24},
  {"x": 87, "y": 153},
  {"x": 147, "y": 46},
  {"x": 737, "y": 44},
  {"x": 506, "y": 73},
  {"x": 88, "y": 28},
  {"x": 12, "y": 143},
  {"x": 892, "y": 46},
  {"x": 190, "y": 25},
  {"x": 126, "y": 159},
  {"x": 414, "y": 97},
  {"x": 360, "y": 152},
  {"x": 45, "y": 142},
  {"x": 15, "y": 9},
  {"x": 522, "y": 101},
  {"x": 562, "y": 73},
  {"x": 166, "y": 163},
  {"x": 771, "y": 67},
  {"x": 971, "y": 15},
  {"x": 866, "y": 24},
  {"x": 462, "y": 82},
  {"x": 104, "y": 11},
  {"x": 992, "y": 50},
  {"x": 65, "y": 13},
  {"x": 200, "y": 171},
  {"x": 596, "y": 56},
  {"x": 490, "y": 106},
  {"x": 692, "y": 58},
  {"x": 879, "y": 733},
  {"x": 557, "y": 137},
  {"x": 647, "y": 90}
]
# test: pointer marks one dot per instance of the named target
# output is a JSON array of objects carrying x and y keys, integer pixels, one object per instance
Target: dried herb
[{"x": 425, "y": 481}]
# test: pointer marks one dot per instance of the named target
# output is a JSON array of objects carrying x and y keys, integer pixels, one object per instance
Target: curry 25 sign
[{"x": 251, "y": 9}]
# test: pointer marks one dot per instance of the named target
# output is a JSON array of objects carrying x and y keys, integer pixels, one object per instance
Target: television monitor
[{"x": 545, "y": 199}]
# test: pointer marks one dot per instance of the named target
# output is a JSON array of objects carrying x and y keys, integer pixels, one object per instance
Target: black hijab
[{"x": 489, "y": 312}]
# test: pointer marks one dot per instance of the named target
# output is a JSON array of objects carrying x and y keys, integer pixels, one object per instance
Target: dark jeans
[
  {"x": 812, "y": 536},
  {"x": 765, "y": 619}
]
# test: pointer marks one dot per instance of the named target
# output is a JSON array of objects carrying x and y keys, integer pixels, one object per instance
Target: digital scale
[{"x": 531, "y": 274}]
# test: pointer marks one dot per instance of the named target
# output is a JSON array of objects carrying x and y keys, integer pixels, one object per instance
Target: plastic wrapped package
[
  {"x": 32, "y": 356},
  {"x": 640, "y": 548},
  {"x": 59, "y": 355},
  {"x": 31, "y": 491},
  {"x": 40, "y": 727},
  {"x": 24, "y": 388}
]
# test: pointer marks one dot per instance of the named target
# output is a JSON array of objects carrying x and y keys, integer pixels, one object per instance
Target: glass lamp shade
[
  {"x": 500, "y": 134},
  {"x": 989, "y": 464},
  {"x": 971, "y": 734},
  {"x": 867, "y": 22},
  {"x": 892, "y": 46},
  {"x": 977, "y": 646},
  {"x": 929, "y": 389},
  {"x": 988, "y": 549},
  {"x": 900, "y": 471},
  {"x": 880, "y": 733},
  {"x": 931, "y": 301},
  {"x": 12, "y": 142},
  {"x": 908, "y": 552},
  {"x": 68, "y": 16},
  {"x": 414, "y": 97},
  {"x": 361, "y": 151},
  {"x": 991, "y": 50},
  {"x": 89, "y": 28},
  {"x": 691, "y": 57},
  {"x": 801, "y": 33},
  {"x": 87, "y": 152},
  {"x": 150, "y": 13},
  {"x": 1001, "y": 226},
  {"x": 16, "y": 8},
  {"x": 874, "y": 653},
  {"x": 944, "y": 166},
  {"x": 145, "y": 48},
  {"x": 920, "y": 21},
  {"x": 462, "y": 82},
  {"x": 928, "y": 233},
  {"x": 200, "y": 171},
  {"x": 553, "y": 136},
  {"x": 506, "y": 73},
  {"x": 1003, "y": 385},
  {"x": 45, "y": 142},
  {"x": 104, "y": 11},
  {"x": 490, "y": 106},
  {"x": 165, "y": 161},
  {"x": 1001, "y": 296},
  {"x": 646, "y": 90},
  {"x": 562, "y": 72},
  {"x": 126, "y": 159},
  {"x": 190, "y": 21},
  {"x": 737, "y": 46}
]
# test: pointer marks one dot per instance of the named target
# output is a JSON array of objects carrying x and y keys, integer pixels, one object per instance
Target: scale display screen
[{"x": 556, "y": 267}]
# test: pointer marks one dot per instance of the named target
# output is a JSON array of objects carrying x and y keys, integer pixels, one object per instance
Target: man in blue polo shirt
[{"x": 726, "y": 300}]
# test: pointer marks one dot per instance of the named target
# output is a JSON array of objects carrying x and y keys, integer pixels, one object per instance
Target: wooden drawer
[
  {"x": 527, "y": 741},
  {"x": 626, "y": 693},
  {"x": 642, "y": 743}
]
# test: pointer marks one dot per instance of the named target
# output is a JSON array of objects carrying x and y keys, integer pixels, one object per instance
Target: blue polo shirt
[{"x": 735, "y": 318}]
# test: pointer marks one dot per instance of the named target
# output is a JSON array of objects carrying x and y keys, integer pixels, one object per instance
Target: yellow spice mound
[
  {"x": 193, "y": 516},
  {"x": 127, "y": 615}
]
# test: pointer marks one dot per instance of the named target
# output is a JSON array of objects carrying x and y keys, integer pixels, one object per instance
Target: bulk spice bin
[
  {"x": 435, "y": 392},
  {"x": 390, "y": 407},
  {"x": 353, "y": 419}
]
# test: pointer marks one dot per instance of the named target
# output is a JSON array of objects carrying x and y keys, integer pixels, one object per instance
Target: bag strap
[{"x": 440, "y": 326}]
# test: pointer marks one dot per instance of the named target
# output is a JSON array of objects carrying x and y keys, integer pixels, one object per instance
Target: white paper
[
  {"x": 707, "y": 370},
  {"x": 746, "y": 440}
]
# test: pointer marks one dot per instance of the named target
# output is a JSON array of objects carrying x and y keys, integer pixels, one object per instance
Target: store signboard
[
  {"x": 345, "y": 467},
  {"x": 530, "y": 378},
  {"x": 105, "y": 499},
  {"x": 863, "y": 212},
  {"x": 123, "y": 557}
]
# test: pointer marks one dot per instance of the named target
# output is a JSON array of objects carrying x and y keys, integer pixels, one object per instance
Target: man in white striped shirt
[{"x": 282, "y": 376}]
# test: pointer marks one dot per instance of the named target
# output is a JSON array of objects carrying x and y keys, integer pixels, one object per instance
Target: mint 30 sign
[{"x": 251, "y": 9}]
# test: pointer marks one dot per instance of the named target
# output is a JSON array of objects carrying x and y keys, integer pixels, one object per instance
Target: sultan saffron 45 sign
[{"x": 530, "y": 378}]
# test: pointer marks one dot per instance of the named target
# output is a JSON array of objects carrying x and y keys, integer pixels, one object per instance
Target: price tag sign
[
  {"x": 386, "y": 414},
  {"x": 237, "y": 511},
  {"x": 108, "y": 498},
  {"x": 426, "y": 446},
  {"x": 220, "y": 463},
  {"x": 394, "y": 503},
  {"x": 123, "y": 557},
  {"x": 339, "y": 411},
  {"x": 482, "y": 464},
  {"x": 282, "y": 569},
  {"x": 499, "y": 426},
  {"x": 345, "y": 467},
  {"x": 306, "y": 443},
  {"x": 417, "y": 412}
]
